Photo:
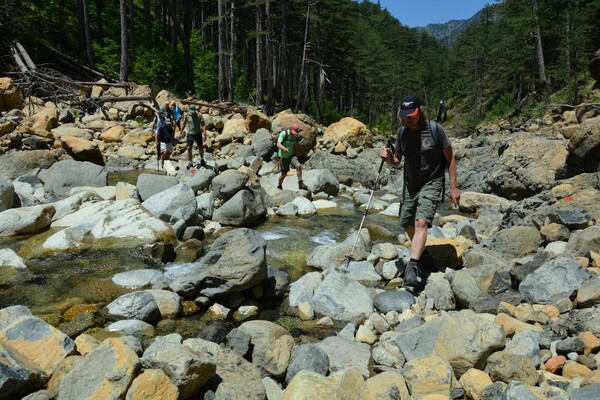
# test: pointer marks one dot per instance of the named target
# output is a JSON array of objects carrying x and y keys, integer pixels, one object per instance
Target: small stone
[
  {"x": 555, "y": 363},
  {"x": 219, "y": 311}
]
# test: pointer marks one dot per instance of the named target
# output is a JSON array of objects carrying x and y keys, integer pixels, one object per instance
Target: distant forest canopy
[{"x": 327, "y": 58}]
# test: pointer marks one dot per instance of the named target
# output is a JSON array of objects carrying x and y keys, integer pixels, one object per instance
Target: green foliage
[
  {"x": 504, "y": 106},
  {"x": 330, "y": 113}
]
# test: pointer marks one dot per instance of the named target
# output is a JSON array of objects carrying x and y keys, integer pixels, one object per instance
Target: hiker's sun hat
[
  {"x": 192, "y": 107},
  {"x": 409, "y": 107}
]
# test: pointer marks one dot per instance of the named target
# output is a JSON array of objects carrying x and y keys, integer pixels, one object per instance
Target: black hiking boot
[
  {"x": 302, "y": 186},
  {"x": 202, "y": 163},
  {"x": 190, "y": 165},
  {"x": 279, "y": 187},
  {"x": 413, "y": 277}
]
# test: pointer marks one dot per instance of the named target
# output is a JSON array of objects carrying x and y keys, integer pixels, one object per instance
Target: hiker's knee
[{"x": 421, "y": 224}]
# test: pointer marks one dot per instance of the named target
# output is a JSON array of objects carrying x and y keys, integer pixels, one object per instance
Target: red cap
[{"x": 294, "y": 127}]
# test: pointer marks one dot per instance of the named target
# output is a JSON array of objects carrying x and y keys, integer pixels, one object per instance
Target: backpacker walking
[
  {"x": 196, "y": 132},
  {"x": 427, "y": 152},
  {"x": 165, "y": 138},
  {"x": 286, "y": 143}
]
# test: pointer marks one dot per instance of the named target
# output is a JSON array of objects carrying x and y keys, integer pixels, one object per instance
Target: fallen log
[
  {"x": 25, "y": 55},
  {"x": 122, "y": 98},
  {"x": 203, "y": 104}
]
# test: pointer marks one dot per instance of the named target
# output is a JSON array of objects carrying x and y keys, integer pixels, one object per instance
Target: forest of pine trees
[{"x": 326, "y": 58}]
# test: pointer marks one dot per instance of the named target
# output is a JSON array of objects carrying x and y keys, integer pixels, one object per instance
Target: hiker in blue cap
[{"x": 427, "y": 153}]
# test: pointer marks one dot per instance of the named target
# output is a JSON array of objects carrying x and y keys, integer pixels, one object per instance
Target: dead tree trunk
[{"x": 124, "y": 57}]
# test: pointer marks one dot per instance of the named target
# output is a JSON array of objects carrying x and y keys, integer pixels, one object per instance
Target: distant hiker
[
  {"x": 286, "y": 143},
  {"x": 165, "y": 138},
  {"x": 442, "y": 112},
  {"x": 196, "y": 132},
  {"x": 177, "y": 114},
  {"x": 427, "y": 151}
]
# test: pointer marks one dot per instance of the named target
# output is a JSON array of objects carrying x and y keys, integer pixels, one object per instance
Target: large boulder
[
  {"x": 236, "y": 261},
  {"x": 25, "y": 220},
  {"x": 331, "y": 298},
  {"x": 256, "y": 120},
  {"x": 244, "y": 208},
  {"x": 62, "y": 176},
  {"x": 228, "y": 183},
  {"x": 584, "y": 146},
  {"x": 284, "y": 119},
  {"x": 151, "y": 184},
  {"x": 527, "y": 167},
  {"x": 10, "y": 98},
  {"x": 177, "y": 203},
  {"x": 82, "y": 150},
  {"x": 7, "y": 194},
  {"x": 72, "y": 130},
  {"x": 349, "y": 130},
  {"x": 321, "y": 180},
  {"x": 17, "y": 163},
  {"x": 271, "y": 346}
]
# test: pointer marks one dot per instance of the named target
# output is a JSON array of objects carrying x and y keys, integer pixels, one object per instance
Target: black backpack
[{"x": 435, "y": 133}]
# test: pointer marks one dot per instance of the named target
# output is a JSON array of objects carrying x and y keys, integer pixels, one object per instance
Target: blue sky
[{"x": 418, "y": 13}]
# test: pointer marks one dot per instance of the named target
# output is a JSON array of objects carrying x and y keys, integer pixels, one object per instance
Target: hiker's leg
[
  {"x": 299, "y": 171},
  {"x": 418, "y": 239},
  {"x": 281, "y": 178},
  {"x": 427, "y": 202}
]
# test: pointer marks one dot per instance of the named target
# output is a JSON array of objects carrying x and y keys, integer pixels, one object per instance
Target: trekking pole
[
  {"x": 349, "y": 257},
  {"x": 158, "y": 156}
]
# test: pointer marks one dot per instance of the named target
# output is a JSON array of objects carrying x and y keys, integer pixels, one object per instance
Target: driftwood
[
  {"x": 576, "y": 106},
  {"x": 123, "y": 98}
]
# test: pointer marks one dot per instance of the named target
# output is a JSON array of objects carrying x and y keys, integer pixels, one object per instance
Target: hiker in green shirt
[
  {"x": 196, "y": 132},
  {"x": 286, "y": 143}
]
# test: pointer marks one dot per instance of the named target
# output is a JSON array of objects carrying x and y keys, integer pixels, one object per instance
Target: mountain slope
[{"x": 447, "y": 33}]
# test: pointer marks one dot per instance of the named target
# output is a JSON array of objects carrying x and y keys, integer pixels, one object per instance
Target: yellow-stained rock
[
  {"x": 63, "y": 369},
  {"x": 10, "y": 98},
  {"x": 591, "y": 343},
  {"x": 512, "y": 325},
  {"x": 431, "y": 374},
  {"x": 571, "y": 369},
  {"x": 308, "y": 385},
  {"x": 152, "y": 384},
  {"x": 349, "y": 129},
  {"x": 385, "y": 385},
  {"x": 113, "y": 135},
  {"x": 256, "y": 120},
  {"x": 351, "y": 385},
  {"x": 46, "y": 119},
  {"x": 86, "y": 343},
  {"x": 474, "y": 381},
  {"x": 82, "y": 150}
]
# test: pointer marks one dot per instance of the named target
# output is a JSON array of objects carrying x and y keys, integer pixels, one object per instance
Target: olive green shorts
[{"x": 420, "y": 204}]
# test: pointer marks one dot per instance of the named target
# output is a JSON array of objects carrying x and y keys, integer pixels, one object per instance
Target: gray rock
[
  {"x": 271, "y": 346},
  {"x": 586, "y": 393},
  {"x": 11, "y": 314},
  {"x": 344, "y": 353},
  {"x": 236, "y": 261},
  {"x": 18, "y": 375},
  {"x": 141, "y": 278},
  {"x": 420, "y": 341},
  {"x": 135, "y": 305},
  {"x": 440, "y": 292},
  {"x": 238, "y": 342},
  {"x": 505, "y": 367},
  {"x": 363, "y": 272},
  {"x": 276, "y": 284},
  {"x": 309, "y": 357},
  {"x": 151, "y": 184},
  {"x": 63, "y": 176},
  {"x": 244, "y": 208},
  {"x": 331, "y": 298},
  {"x": 393, "y": 300},
  {"x": 227, "y": 184},
  {"x": 572, "y": 219},
  {"x": 17, "y": 163},
  {"x": 321, "y": 180},
  {"x": 205, "y": 205},
  {"x": 517, "y": 241},
  {"x": 201, "y": 180},
  {"x": 588, "y": 294},
  {"x": 235, "y": 378},
  {"x": 132, "y": 327},
  {"x": 584, "y": 241},
  {"x": 178, "y": 203},
  {"x": 525, "y": 343},
  {"x": 519, "y": 391},
  {"x": 388, "y": 354},
  {"x": 189, "y": 370},
  {"x": 7, "y": 194},
  {"x": 304, "y": 288},
  {"x": 556, "y": 279}
]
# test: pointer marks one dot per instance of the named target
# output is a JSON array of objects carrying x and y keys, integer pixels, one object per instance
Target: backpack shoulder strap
[{"x": 435, "y": 134}]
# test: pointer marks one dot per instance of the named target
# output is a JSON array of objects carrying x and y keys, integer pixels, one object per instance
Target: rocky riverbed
[{"x": 511, "y": 307}]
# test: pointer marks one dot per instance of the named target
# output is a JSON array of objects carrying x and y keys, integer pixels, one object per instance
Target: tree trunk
[
  {"x": 285, "y": 73},
  {"x": 231, "y": 75},
  {"x": 80, "y": 26},
  {"x": 148, "y": 22},
  {"x": 132, "y": 25},
  {"x": 269, "y": 61},
  {"x": 124, "y": 57},
  {"x": 184, "y": 37},
  {"x": 88, "y": 33},
  {"x": 538, "y": 45},
  {"x": 100, "y": 26},
  {"x": 259, "y": 57},
  {"x": 319, "y": 76},
  {"x": 302, "y": 84},
  {"x": 222, "y": 33}
]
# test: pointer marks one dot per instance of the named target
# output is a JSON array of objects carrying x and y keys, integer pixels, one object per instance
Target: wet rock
[
  {"x": 177, "y": 203},
  {"x": 135, "y": 305},
  {"x": 189, "y": 251}
]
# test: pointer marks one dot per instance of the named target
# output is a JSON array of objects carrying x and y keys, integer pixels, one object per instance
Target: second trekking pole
[{"x": 349, "y": 257}]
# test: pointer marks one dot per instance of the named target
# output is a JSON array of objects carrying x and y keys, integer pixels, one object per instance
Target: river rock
[
  {"x": 201, "y": 180},
  {"x": 350, "y": 130},
  {"x": 25, "y": 220},
  {"x": 167, "y": 301},
  {"x": 331, "y": 298},
  {"x": 505, "y": 367},
  {"x": 234, "y": 377},
  {"x": 393, "y": 300},
  {"x": 135, "y": 305},
  {"x": 82, "y": 150},
  {"x": 310, "y": 385},
  {"x": 421, "y": 340},
  {"x": 244, "y": 208},
  {"x": 584, "y": 146},
  {"x": 205, "y": 205},
  {"x": 583, "y": 241},
  {"x": 152, "y": 384},
  {"x": 224, "y": 270},
  {"x": 345, "y": 353},
  {"x": 107, "y": 371},
  {"x": 556, "y": 279},
  {"x": 108, "y": 219},
  {"x": 72, "y": 130},
  {"x": 62, "y": 176},
  {"x": 466, "y": 339},
  {"x": 321, "y": 180},
  {"x": 178, "y": 203},
  {"x": 151, "y": 184},
  {"x": 525, "y": 343},
  {"x": 37, "y": 343},
  {"x": 516, "y": 241},
  {"x": 188, "y": 370},
  {"x": 271, "y": 346},
  {"x": 7, "y": 194},
  {"x": 228, "y": 183},
  {"x": 141, "y": 278},
  {"x": 428, "y": 375},
  {"x": 307, "y": 357},
  {"x": 18, "y": 163},
  {"x": 588, "y": 294},
  {"x": 303, "y": 289},
  {"x": 388, "y": 385},
  {"x": 439, "y": 290},
  {"x": 474, "y": 382},
  {"x": 132, "y": 327},
  {"x": 276, "y": 284},
  {"x": 8, "y": 258}
]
